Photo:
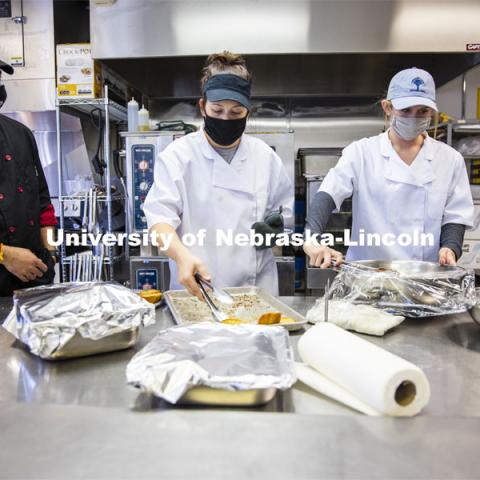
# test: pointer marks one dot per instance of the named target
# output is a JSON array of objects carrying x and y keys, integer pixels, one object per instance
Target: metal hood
[
  {"x": 154, "y": 28},
  {"x": 343, "y": 48}
]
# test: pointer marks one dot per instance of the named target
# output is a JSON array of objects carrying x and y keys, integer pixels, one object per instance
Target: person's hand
[
  {"x": 446, "y": 257},
  {"x": 322, "y": 256},
  {"x": 22, "y": 263},
  {"x": 187, "y": 267}
]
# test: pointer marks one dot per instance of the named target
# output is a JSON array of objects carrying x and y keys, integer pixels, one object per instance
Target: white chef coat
[
  {"x": 391, "y": 197},
  {"x": 195, "y": 188}
]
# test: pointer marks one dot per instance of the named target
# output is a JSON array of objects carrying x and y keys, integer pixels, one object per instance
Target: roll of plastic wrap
[{"x": 357, "y": 373}]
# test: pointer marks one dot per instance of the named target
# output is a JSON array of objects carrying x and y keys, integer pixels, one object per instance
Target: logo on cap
[{"x": 418, "y": 82}]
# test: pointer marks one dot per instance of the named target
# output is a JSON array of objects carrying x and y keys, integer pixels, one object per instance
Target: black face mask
[
  {"x": 3, "y": 95},
  {"x": 224, "y": 132}
]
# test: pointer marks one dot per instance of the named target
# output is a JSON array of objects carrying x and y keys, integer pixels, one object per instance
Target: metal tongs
[
  {"x": 354, "y": 266},
  {"x": 223, "y": 296}
]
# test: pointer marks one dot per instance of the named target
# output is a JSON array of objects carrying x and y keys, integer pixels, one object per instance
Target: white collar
[
  {"x": 209, "y": 152},
  {"x": 387, "y": 150}
]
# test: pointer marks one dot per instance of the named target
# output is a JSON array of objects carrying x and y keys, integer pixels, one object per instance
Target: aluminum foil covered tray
[
  {"x": 76, "y": 319},
  {"x": 180, "y": 362}
]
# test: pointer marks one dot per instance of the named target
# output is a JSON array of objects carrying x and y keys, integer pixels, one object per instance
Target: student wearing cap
[
  {"x": 26, "y": 212},
  {"x": 402, "y": 182},
  {"x": 219, "y": 180}
]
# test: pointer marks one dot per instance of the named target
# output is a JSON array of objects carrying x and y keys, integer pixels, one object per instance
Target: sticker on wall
[
  {"x": 473, "y": 47},
  {"x": 17, "y": 61}
]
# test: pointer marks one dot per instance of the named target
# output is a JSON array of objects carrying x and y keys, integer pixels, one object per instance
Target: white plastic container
[
  {"x": 143, "y": 120},
  {"x": 132, "y": 115}
]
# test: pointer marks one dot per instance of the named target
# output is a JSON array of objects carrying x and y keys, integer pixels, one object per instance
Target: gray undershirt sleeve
[
  {"x": 451, "y": 236},
  {"x": 322, "y": 206},
  {"x": 319, "y": 212}
]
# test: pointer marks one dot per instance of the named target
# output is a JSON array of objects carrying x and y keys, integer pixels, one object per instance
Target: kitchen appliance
[
  {"x": 316, "y": 278},
  {"x": 142, "y": 149},
  {"x": 149, "y": 272},
  {"x": 141, "y": 152},
  {"x": 318, "y": 161},
  {"x": 283, "y": 144},
  {"x": 308, "y": 26}
]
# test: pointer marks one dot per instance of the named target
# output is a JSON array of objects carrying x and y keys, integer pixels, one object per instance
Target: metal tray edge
[{"x": 261, "y": 293}]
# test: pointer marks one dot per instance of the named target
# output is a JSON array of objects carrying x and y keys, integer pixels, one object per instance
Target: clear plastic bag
[
  {"x": 415, "y": 295},
  {"x": 469, "y": 145}
]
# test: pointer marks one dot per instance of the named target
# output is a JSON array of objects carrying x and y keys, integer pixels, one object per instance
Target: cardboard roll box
[{"x": 80, "y": 76}]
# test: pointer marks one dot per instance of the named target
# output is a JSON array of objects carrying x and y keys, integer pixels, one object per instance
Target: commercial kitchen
[{"x": 165, "y": 309}]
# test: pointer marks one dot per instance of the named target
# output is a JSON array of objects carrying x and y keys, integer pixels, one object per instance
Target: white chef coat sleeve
[
  {"x": 282, "y": 190},
  {"x": 340, "y": 180},
  {"x": 164, "y": 203},
  {"x": 459, "y": 205}
]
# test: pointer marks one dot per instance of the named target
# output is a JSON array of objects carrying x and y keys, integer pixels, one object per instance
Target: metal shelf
[
  {"x": 464, "y": 126},
  {"x": 113, "y": 111},
  {"x": 71, "y": 198},
  {"x": 118, "y": 113}
]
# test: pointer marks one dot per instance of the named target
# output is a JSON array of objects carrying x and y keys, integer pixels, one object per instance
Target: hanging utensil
[
  {"x": 70, "y": 273},
  {"x": 100, "y": 267},
  {"x": 89, "y": 268},
  {"x": 79, "y": 269},
  {"x": 90, "y": 211},
  {"x": 95, "y": 226},
  {"x": 85, "y": 211},
  {"x": 75, "y": 268}
]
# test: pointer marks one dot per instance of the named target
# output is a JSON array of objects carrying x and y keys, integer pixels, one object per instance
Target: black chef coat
[{"x": 23, "y": 196}]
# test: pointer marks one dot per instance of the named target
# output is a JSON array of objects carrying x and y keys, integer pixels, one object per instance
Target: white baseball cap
[{"x": 410, "y": 87}]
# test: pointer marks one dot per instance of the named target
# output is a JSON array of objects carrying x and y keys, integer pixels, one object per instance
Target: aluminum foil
[
  {"x": 230, "y": 357},
  {"x": 45, "y": 318},
  {"x": 443, "y": 294}
]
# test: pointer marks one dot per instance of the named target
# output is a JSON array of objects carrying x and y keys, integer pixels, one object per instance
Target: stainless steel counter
[{"x": 78, "y": 419}]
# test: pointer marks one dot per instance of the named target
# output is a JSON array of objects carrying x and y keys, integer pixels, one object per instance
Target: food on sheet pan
[
  {"x": 233, "y": 321},
  {"x": 249, "y": 304},
  {"x": 151, "y": 295},
  {"x": 247, "y": 308},
  {"x": 270, "y": 318}
]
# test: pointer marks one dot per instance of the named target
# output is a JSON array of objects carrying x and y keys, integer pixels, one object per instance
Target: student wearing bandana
[{"x": 219, "y": 179}]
